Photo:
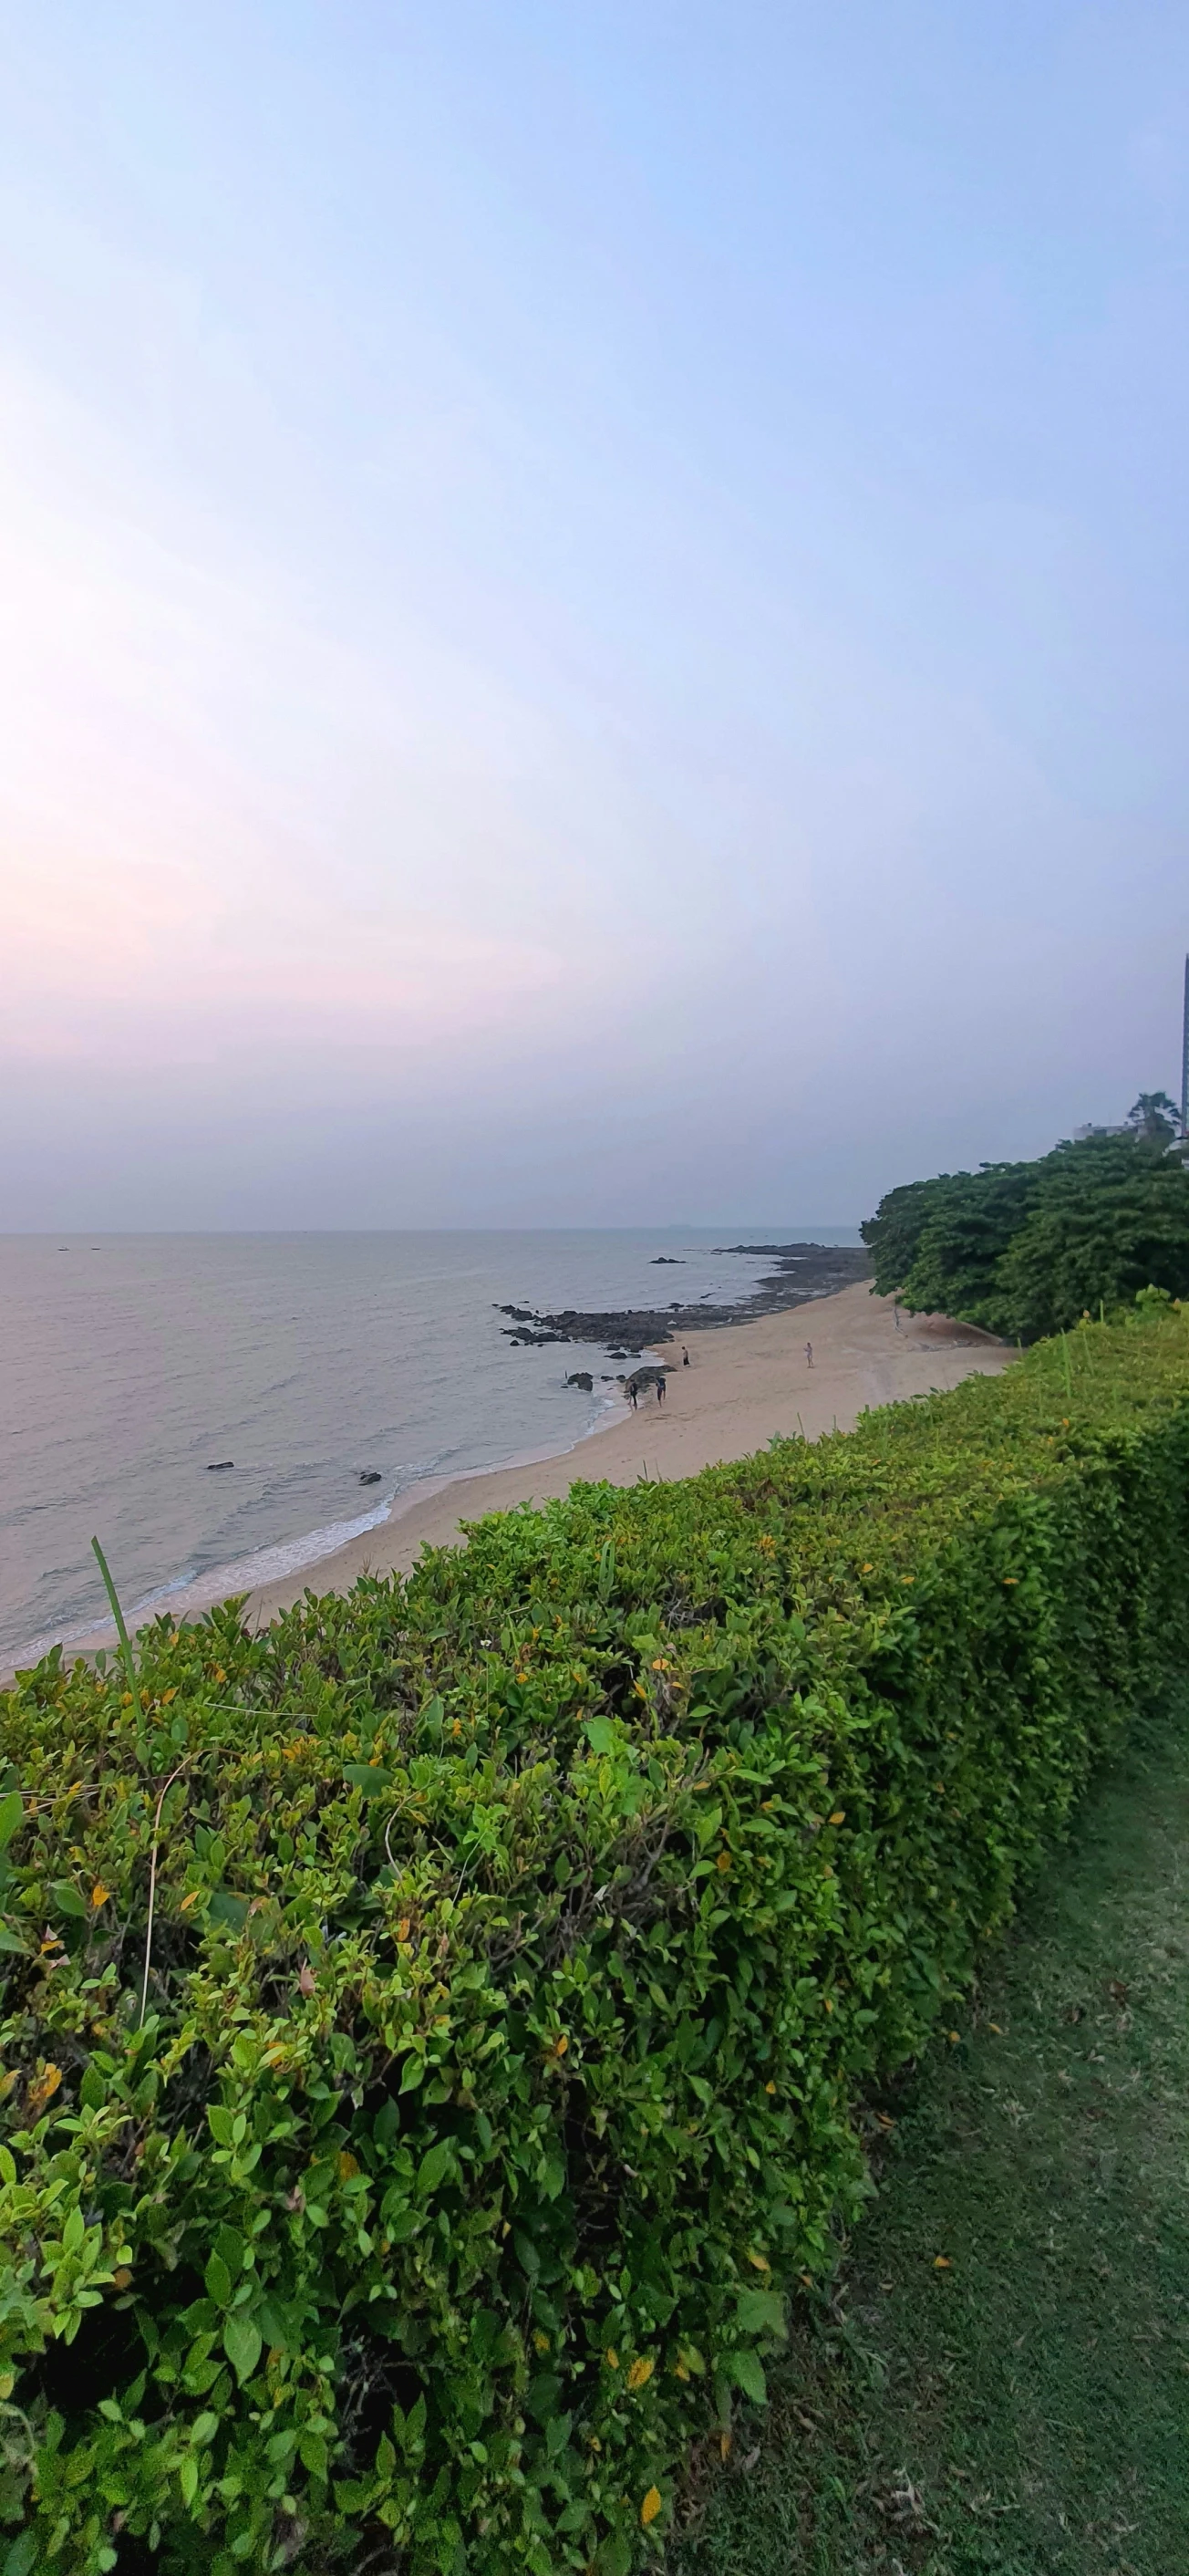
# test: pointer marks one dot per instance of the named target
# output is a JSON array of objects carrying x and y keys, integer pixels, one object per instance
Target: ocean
[{"x": 130, "y": 1365}]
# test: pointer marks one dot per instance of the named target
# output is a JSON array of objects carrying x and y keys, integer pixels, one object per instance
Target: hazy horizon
[
  {"x": 593, "y": 611},
  {"x": 769, "y": 1226}
]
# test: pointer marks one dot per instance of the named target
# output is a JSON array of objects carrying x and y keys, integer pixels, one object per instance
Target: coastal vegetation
[
  {"x": 438, "y": 2029},
  {"x": 1025, "y": 1249}
]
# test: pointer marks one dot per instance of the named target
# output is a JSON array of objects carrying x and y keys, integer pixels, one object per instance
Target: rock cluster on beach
[{"x": 804, "y": 1270}]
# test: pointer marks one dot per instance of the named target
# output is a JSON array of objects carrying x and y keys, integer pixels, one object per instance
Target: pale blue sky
[{"x": 593, "y": 603}]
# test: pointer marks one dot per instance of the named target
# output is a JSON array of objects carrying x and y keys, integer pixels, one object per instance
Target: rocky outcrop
[{"x": 802, "y": 1271}]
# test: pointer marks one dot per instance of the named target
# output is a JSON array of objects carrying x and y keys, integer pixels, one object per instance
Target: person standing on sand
[
  {"x": 809, "y": 1355},
  {"x": 634, "y": 1397},
  {"x": 660, "y": 1390},
  {"x": 684, "y": 1356}
]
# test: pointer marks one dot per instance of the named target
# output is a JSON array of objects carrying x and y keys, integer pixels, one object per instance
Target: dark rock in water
[
  {"x": 217, "y": 1465},
  {"x": 666, "y": 1261},
  {"x": 369, "y": 1476},
  {"x": 642, "y": 1377},
  {"x": 582, "y": 1378},
  {"x": 529, "y": 1341}
]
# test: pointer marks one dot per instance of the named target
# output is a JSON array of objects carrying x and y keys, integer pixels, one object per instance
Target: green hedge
[{"x": 523, "y": 1938}]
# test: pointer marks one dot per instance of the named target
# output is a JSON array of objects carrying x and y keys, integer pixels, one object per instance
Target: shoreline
[
  {"x": 746, "y": 1383},
  {"x": 805, "y": 1272}
]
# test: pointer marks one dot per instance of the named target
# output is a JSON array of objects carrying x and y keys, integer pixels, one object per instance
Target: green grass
[{"x": 1027, "y": 2408}]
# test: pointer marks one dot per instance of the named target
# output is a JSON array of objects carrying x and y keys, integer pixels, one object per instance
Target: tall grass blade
[{"x": 125, "y": 1640}]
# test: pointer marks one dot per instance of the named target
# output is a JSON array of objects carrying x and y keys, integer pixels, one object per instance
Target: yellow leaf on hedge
[
  {"x": 611, "y": 2357},
  {"x": 761, "y": 2261},
  {"x": 651, "y": 2506},
  {"x": 188, "y": 1901},
  {"x": 839, "y": 1816},
  {"x": 99, "y": 1894},
  {"x": 724, "y": 2445},
  {"x": 540, "y": 2343},
  {"x": 348, "y": 2166},
  {"x": 641, "y": 2372},
  {"x": 942, "y": 2263}
]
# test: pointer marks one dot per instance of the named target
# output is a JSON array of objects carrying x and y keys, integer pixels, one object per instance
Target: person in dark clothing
[
  {"x": 684, "y": 1356},
  {"x": 809, "y": 1355},
  {"x": 660, "y": 1390}
]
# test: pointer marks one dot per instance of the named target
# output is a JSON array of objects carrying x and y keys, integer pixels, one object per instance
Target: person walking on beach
[
  {"x": 684, "y": 1356},
  {"x": 633, "y": 1395},
  {"x": 660, "y": 1390},
  {"x": 809, "y": 1355}
]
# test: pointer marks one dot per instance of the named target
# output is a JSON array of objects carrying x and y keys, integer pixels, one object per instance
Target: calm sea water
[{"x": 128, "y": 1363}]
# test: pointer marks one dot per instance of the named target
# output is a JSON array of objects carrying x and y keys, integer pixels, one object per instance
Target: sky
[{"x": 594, "y": 621}]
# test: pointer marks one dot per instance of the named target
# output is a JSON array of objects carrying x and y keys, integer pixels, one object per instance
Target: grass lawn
[{"x": 1022, "y": 2406}]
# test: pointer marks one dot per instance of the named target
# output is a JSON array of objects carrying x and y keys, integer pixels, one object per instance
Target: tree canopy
[
  {"x": 1154, "y": 1115},
  {"x": 1024, "y": 1249}
]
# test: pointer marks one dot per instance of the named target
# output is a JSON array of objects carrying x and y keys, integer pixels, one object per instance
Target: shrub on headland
[
  {"x": 435, "y": 2027},
  {"x": 1024, "y": 1249}
]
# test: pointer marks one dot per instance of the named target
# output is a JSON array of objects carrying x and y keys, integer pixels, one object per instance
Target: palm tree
[{"x": 1155, "y": 1116}]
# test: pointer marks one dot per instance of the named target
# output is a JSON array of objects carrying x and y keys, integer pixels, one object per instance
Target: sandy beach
[{"x": 744, "y": 1383}]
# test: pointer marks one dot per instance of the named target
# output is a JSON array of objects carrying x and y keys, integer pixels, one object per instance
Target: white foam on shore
[
  {"x": 190, "y": 1591},
  {"x": 268, "y": 1564},
  {"x": 189, "y": 1594}
]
